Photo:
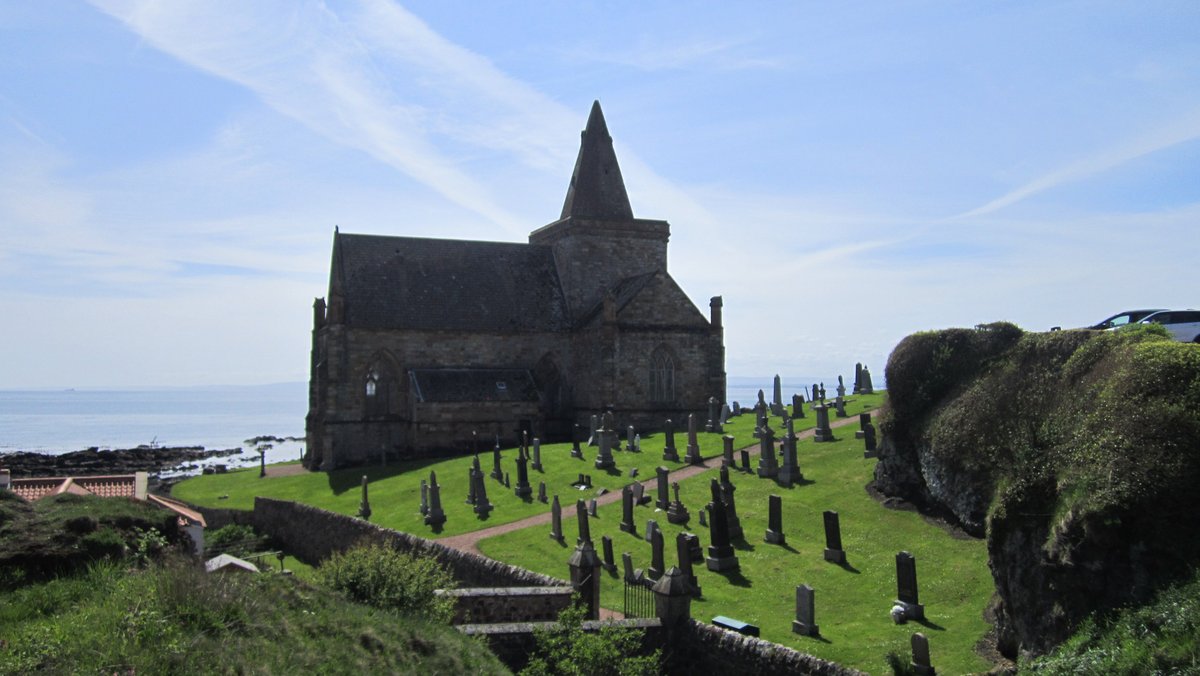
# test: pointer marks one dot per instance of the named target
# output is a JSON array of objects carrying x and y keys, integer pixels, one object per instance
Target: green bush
[
  {"x": 568, "y": 649},
  {"x": 377, "y": 575},
  {"x": 234, "y": 539}
]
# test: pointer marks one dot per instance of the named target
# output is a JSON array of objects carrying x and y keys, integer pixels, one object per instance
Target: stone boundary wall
[
  {"x": 494, "y": 605},
  {"x": 311, "y": 535},
  {"x": 697, "y": 647},
  {"x": 217, "y": 517},
  {"x": 514, "y": 642}
]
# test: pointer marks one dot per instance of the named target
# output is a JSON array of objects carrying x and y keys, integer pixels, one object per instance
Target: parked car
[
  {"x": 1123, "y": 318},
  {"x": 1184, "y": 325}
]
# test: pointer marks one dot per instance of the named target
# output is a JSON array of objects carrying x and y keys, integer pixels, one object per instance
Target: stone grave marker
[
  {"x": 841, "y": 388},
  {"x": 745, "y": 460},
  {"x": 733, "y": 523},
  {"x": 541, "y": 491},
  {"x": 637, "y": 445},
  {"x": 704, "y": 516},
  {"x": 471, "y": 482},
  {"x": 627, "y": 563},
  {"x": 537, "y": 455},
  {"x": 714, "y": 416},
  {"x": 683, "y": 550},
  {"x": 833, "y": 539},
  {"x": 693, "y": 447},
  {"x": 789, "y": 471},
  {"x": 506, "y": 482},
  {"x": 871, "y": 450},
  {"x": 777, "y": 397},
  {"x": 839, "y": 407},
  {"x": 767, "y": 467},
  {"x": 727, "y": 450},
  {"x": 576, "y": 451},
  {"x": 608, "y": 437},
  {"x": 775, "y": 521},
  {"x": 823, "y": 431},
  {"x": 435, "y": 516},
  {"x": 523, "y": 489},
  {"x": 866, "y": 387},
  {"x": 677, "y": 513},
  {"x": 657, "y": 565},
  {"x": 593, "y": 437},
  {"x": 364, "y": 506},
  {"x": 797, "y": 406},
  {"x": 920, "y": 655},
  {"x": 669, "y": 451},
  {"x": 627, "y": 525},
  {"x": 864, "y": 419},
  {"x": 651, "y": 526},
  {"x": 721, "y": 556},
  {"x": 497, "y": 470},
  {"x": 639, "y": 494},
  {"x": 857, "y": 378},
  {"x": 664, "y": 498},
  {"x": 592, "y": 507},
  {"x": 424, "y": 498},
  {"x": 609, "y": 563},
  {"x": 906, "y": 586},
  {"x": 805, "y": 623},
  {"x": 556, "y": 533},
  {"x": 630, "y": 435},
  {"x": 482, "y": 506},
  {"x": 581, "y": 518}
]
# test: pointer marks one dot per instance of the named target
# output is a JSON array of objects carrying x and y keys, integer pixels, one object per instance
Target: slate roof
[
  {"x": 597, "y": 190},
  {"x": 466, "y": 385},
  {"x": 622, "y": 292},
  {"x": 444, "y": 284}
]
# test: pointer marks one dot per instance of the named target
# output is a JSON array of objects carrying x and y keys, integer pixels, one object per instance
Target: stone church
[{"x": 422, "y": 342}]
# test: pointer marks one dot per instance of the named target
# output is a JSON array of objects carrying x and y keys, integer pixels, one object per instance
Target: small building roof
[
  {"x": 227, "y": 562},
  {"x": 108, "y": 486}
]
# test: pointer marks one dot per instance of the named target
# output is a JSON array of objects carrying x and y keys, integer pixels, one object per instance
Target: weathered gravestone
[
  {"x": 920, "y": 655},
  {"x": 523, "y": 489},
  {"x": 609, "y": 563},
  {"x": 639, "y": 494},
  {"x": 777, "y": 397},
  {"x": 471, "y": 482},
  {"x": 664, "y": 498},
  {"x": 704, "y": 516},
  {"x": 768, "y": 468},
  {"x": 714, "y": 416},
  {"x": 669, "y": 451},
  {"x": 870, "y": 450},
  {"x": 608, "y": 438},
  {"x": 805, "y": 623},
  {"x": 841, "y": 388},
  {"x": 630, "y": 436},
  {"x": 556, "y": 533},
  {"x": 581, "y": 519},
  {"x": 482, "y": 506},
  {"x": 789, "y": 471},
  {"x": 576, "y": 451},
  {"x": 745, "y": 460},
  {"x": 906, "y": 586},
  {"x": 858, "y": 378},
  {"x": 627, "y": 525},
  {"x": 823, "y": 431},
  {"x": 731, "y": 515},
  {"x": 797, "y": 406},
  {"x": 727, "y": 450},
  {"x": 866, "y": 387},
  {"x": 683, "y": 550},
  {"x": 657, "y": 565},
  {"x": 364, "y": 507},
  {"x": 864, "y": 419},
  {"x": 721, "y": 556},
  {"x": 677, "y": 513},
  {"x": 592, "y": 507},
  {"x": 435, "y": 516},
  {"x": 537, "y": 455},
  {"x": 593, "y": 435},
  {"x": 497, "y": 470},
  {"x": 693, "y": 447},
  {"x": 424, "y": 498},
  {"x": 541, "y": 491},
  {"x": 631, "y": 576},
  {"x": 775, "y": 521},
  {"x": 833, "y": 539},
  {"x": 651, "y": 526},
  {"x": 839, "y": 406}
]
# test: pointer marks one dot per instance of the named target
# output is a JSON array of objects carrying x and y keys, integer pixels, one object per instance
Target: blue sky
[{"x": 842, "y": 173}]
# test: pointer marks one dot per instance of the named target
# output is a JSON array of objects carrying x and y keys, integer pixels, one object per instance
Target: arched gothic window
[
  {"x": 662, "y": 376},
  {"x": 376, "y": 391}
]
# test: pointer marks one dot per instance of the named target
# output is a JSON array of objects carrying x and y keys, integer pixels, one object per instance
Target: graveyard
[{"x": 852, "y": 600}]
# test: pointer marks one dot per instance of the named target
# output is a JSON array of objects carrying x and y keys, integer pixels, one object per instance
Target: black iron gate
[{"x": 639, "y": 600}]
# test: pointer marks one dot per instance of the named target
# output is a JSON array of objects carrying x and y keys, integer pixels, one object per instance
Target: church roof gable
[{"x": 443, "y": 284}]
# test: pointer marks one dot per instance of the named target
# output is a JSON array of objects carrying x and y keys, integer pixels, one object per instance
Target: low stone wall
[
  {"x": 312, "y": 534},
  {"x": 696, "y": 647},
  {"x": 219, "y": 518},
  {"x": 514, "y": 642},
  {"x": 491, "y": 605}
]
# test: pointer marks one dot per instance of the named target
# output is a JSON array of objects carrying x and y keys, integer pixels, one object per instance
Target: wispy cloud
[
  {"x": 1183, "y": 130},
  {"x": 719, "y": 54}
]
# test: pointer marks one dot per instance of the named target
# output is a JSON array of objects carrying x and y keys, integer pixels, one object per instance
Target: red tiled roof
[{"x": 116, "y": 486}]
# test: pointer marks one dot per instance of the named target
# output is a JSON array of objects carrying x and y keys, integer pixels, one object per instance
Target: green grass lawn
[
  {"x": 852, "y": 603},
  {"x": 395, "y": 490}
]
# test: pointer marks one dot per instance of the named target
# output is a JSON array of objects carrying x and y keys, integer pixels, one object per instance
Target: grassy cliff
[{"x": 1077, "y": 454}]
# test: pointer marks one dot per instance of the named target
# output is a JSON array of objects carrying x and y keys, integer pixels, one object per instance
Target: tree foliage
[
  {"x": 567, "y": 649},
  {"x": 377, "y": 575}
]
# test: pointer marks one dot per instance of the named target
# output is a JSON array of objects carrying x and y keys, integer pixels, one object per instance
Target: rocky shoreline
[{"x": 94, "y": 461}]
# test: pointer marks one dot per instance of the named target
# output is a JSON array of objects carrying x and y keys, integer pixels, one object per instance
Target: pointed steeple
[{"x": 597, "y": 190}]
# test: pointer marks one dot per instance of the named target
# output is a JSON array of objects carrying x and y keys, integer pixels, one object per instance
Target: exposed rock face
[
  {"x": 1075, "y": 453},
  {"x": 93, "y": 461}
]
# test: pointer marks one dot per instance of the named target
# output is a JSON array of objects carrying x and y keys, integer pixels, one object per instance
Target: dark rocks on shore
[{"x": 94, "y": 461}]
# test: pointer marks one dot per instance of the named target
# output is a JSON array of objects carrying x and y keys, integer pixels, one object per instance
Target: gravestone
[
  {"x": 797, "y": 406},
  {"x": 721, "y": 556},
  {"x": 774, "y": 534},
  {"x": 694, "y": 549},
  {"x": 693, "y": 447},
  {"x": 866, "y": 387},
  {"x": 664, "y": 498},
  {"x": 822, "y": 393},
  {"x": 920, "y": 655},
  {"x": 364, "y": 507},
  {"x": 576, "y": 451},
  {"x": 556, "y": 533},
  {"x": 592, "y": 506},
  {"x": 593, "y": 435},
  {"x": 858, "y": 378},
  {"x": 726, "y": 414},
  {"x": 745, "y": 460},
  {"x": 639, "y": 494},
  {"x": 704, "y": 515},
  {"x": 542, "y": 491},
  {"x": 789, "y": 471},
  {"x": 777, "y": 397},
  {"x": 609, "y": 563},
  {"x": 424, "y": 498},
  {"x": 630, "y": 435},
  {"x": 497, "y": 471},
  {"x": 471, "y": 482},
  {"x": 506, "y": 482},
  {"x": 537, "y": 455},
  {"x": 677, "y": 513},
  {"x": 581, "y": 519},
  {"x": 864, "y": 419},
  {"x": 731, "y": 515},
  {"x": 669, "y": 451},
  {"x": 714, "y": 417},
  {"x": 651, "y": 526},
  {"x": 637, "y": 445},
  {"x": 768, "y": 468},
  {"x": 805, "y": 623},
  {"x": 833, "y": 539},
  {"x": 627, "y": 524},
  {"x": 608, "y": 437},
  {"x": 841, "y": 388},
  {"x": 816, "y": 395},
  {"x": 435, "y": 516},
  {"x": 523, "y": 489},
  {"x": 871, "y": 450},
  {"x": 482, "y": 506},
  {"x": 906, "y": 586},
  {"x": 839, "y": 406},
  {"x": 727, "y": 450},
  {"x": 823, "y": 431},
  {"x": 683, "y": 551},
  {"x": 631, "y": 576},
  {"x": 657, "y": 565}
]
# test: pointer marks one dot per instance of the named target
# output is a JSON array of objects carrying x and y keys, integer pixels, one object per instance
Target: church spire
[{"x": 597, "y": 190}]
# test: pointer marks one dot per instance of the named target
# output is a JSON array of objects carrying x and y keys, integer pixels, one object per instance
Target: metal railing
[{"x": 639, "y": 600}]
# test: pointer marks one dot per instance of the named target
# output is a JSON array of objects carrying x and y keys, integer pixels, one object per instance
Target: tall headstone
[
  {"x": 858, "y": 378},
  {"x": 592, "y": 505},
  {"x": 727, "y": 451},
  {"x": 637, "y": 443},
  {"x": 777, "y": 397},
  {"x": 768, "y": 468},
  {"x": 721, "y": 556},
  {"x": 639, "y": 493},
  {"x": 585, "y": 577},
  {"x": 364, "y": 507},
  {"x": 704, "y": 515},
  {"x": 731, "y": 516},
  {"x": 669, "y": 451},
  {"x": 581, "y": 519},
  {"x": 497, "y": 470},
  {"x": 864, "y": 419},
  {"x": 823, "y": 431},
  {"x": 537, "y": 455},
  {"x": 816, "y": 394},
  {"x": 556, "y": 533},
  {"x": 822, "y": 393},
  {"x": 608, "y": 437},
  {"x": 576, "y": 451},
  {"x": 594, "y": 435},
  {"x": 541, "y": 491},
  {"x": 523, "y": 489},
  {"x": 609, "y": 563},
  {"x": 664, "y": 498},
  {"x": 866, "y": 387},
  {"x": 630, "y": 435},
  {"x": 482, "y": 506},
  {"x": 471, "y": 482},
  {"x": 436, "y": 516},
  {"x": 805, "y": 623},
  {"x": 871, "y": 450},
  {"x": 683, "y": 551},
  {"x": 775, "y": 521},
  {"x": 833, "y": 539},
  {"x": 841, "y": 388},
  {"x": 797, "y": 406},
  {"x": 745, "y": 460},
  {"x": 677, "y": 513},
  {"x": 839, "y": 406},
  {"x": 789, "y": 471},
  {"x": 651, "y": 526},
  {"x": 906, "y": 586},
  {"x": 631, "y": 575},
  {"x": 693, "y": 447},
  {"x": 627, "y": 524},
  {"x": 714, "y": 416},
  {"x": 657, "y": 565},
  {"x": 920, "y": 655},
  {"x": 424, "y": 498}
]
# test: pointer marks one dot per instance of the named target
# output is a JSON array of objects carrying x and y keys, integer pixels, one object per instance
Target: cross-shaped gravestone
[{"x": 677, "y": 513}]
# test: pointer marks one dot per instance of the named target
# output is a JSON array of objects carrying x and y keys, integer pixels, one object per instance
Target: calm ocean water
[{"x": 221, "y": 417}]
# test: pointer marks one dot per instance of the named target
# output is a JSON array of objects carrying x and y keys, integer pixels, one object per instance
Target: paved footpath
[{"x": 469, "y": 542}]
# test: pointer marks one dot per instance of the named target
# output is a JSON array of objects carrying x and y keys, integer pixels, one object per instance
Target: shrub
[
  {"x": 234, "y": 539},
  {"x": 568, "y": 649},
  {"x": 380, "y": 576}
]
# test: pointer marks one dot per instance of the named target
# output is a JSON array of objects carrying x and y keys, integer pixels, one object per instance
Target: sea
[{"x": 60, "y": 421}]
